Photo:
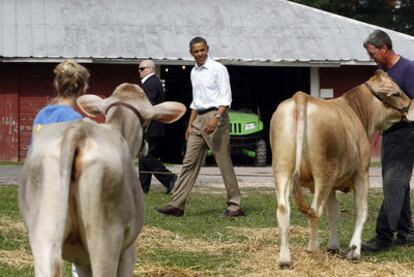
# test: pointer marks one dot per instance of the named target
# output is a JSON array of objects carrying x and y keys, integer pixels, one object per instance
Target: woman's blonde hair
[{"x": 70, "y": 79}]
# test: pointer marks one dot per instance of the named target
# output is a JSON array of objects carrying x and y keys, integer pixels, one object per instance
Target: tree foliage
[{"x": 392, "y": 14}]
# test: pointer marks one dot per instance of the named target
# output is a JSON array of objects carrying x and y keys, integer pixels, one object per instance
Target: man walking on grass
[{"x": 208, "y": 128}]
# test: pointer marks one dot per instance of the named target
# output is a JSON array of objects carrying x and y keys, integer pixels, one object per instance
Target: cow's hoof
[
  {"x": 354, "y": 258},
  {"x": 353, "y": 255},
  {"x": 332, "y": 251},
  {"x": 285, "y": 265}
]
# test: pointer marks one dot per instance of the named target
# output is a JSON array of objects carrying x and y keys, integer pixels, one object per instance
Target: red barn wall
[
  {"x": 27, "y": 87},
  {"x": 9, "y": 118},
  {"x": 34, "y": 90},
  {"x": 344, "y": 78}
]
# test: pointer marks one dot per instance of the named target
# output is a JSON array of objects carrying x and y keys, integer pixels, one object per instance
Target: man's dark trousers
[
  {"x": 153, "y": 163},
  {"x": 397, "y": 165}
]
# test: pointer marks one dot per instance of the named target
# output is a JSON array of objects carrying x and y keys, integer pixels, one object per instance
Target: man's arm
[
  {"x": 190, "y": 123},
  {"x": 409, "y": 82},
  {"x": 212, "y": 124},
  {"x": 223, "y": 82}
]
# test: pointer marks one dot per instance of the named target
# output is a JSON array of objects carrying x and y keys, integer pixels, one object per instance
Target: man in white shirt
[{"x": 208, "y": 128}]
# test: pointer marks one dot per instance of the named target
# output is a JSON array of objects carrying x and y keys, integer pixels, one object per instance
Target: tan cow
[
  {"x": 324, "y": 145},
  {"x": 80, "y": 196}
]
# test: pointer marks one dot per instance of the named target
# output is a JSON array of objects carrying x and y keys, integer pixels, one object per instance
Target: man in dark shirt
[
  {"x": 152, "y": 162},
  {"x": 397, "y": 154}
]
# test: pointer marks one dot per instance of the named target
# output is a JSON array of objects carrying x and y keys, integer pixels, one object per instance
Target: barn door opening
[{"x": 259, "y": 89}]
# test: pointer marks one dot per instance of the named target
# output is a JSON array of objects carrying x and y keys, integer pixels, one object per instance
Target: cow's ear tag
[{"x": 92, "y": 105}]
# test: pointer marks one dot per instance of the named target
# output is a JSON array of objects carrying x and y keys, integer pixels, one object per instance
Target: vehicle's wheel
[
  {"x": 209, "y": 159},
  {"x": 260, "y": 159}
]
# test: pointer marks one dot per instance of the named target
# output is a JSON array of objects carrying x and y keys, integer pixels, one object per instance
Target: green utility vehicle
[{"x": 246, "y": 136}]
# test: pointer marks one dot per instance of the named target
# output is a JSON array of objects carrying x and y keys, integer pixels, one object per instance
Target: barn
[{"x": 272, "y": 48}]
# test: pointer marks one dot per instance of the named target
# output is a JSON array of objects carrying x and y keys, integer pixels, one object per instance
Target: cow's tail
[
  {"x": 72, "y": 139},
  {"x": 301, "y": 104}
]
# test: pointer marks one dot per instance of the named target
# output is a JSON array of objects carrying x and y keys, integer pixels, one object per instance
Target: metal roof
[{"x": 237, "y": 31}]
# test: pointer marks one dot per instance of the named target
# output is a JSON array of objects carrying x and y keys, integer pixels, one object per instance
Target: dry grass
[
  {"x": 260, "y": 252},
  {"x": 7, "y": 224},
  {"x": 257, "y": 255},
  {"x": 161, "y": 271},
  {"x": 16, "y": 258}
]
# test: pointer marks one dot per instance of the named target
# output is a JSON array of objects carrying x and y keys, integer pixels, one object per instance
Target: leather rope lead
[{"x": 403, "y": 111}]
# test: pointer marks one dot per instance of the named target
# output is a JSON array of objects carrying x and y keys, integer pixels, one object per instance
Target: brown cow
[
  {"x": 324, "y": 145},
  {"x": 80, "y": 196}
]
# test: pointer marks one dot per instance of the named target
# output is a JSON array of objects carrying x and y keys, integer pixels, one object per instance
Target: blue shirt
[
  {"x": 402, "y": 73},
  {"x": 54, "y": 114}
]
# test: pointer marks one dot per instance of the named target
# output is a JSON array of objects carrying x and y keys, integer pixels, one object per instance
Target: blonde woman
[{"x": 71, "y": 81}]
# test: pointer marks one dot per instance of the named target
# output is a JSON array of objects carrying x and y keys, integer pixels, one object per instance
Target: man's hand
[
  {"x": 188, "y": 132},
  {"x": 212, "y": 124}
]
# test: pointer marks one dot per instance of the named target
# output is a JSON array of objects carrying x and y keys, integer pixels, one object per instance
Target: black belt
[{"x": 207, "y": 110}]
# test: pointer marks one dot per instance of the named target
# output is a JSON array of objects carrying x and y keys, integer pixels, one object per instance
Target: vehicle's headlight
[{"x": 249, "y": 126}]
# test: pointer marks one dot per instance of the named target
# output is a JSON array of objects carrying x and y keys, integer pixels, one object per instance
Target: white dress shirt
[{"x": 211, "y": 85}]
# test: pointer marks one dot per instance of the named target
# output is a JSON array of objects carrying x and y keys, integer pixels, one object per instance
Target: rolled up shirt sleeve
[{"x": 223, "y": 81}]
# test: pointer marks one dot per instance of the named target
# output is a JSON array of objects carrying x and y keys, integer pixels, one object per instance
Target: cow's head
[
  {"x": 166, "y": 112},
  {"x": 397, "y": 104},
  {"x": 135, "y": 107}
]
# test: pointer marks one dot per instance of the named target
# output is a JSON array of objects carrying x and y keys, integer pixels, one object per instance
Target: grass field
[{"x": 201, "y": 244}]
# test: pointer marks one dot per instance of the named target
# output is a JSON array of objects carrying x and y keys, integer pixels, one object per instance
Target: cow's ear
[
  {"x": 167, "y": 112},
  {"x": 379, "y": 72},
  {"x": 90, "y": 104}
]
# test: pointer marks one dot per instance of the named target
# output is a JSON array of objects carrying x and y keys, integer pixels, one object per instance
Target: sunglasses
[{"x": 142, "y": 68}]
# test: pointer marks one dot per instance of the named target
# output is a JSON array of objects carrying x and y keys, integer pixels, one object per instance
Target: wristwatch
[{"x": 217, "y": 115}]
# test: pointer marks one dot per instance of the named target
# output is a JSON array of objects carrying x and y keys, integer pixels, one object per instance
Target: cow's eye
[{"x": 396, "y": 94}]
